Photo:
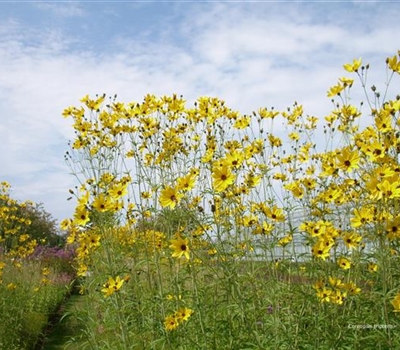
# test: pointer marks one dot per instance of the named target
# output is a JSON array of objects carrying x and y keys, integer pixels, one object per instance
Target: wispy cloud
[{"x": 65, "y": 9}]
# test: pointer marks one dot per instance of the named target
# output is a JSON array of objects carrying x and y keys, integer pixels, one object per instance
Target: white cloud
[{"x": 62, "y": 9}]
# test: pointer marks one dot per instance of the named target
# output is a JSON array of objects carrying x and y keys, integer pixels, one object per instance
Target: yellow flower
[
  {"x": 183, "y": 314},
  {"x": 347, "y": 81},
  {"x": 353, "y": 67},
  {"x": 242, "y": 122},
  {"x": 294, "y": 136},
  {"x": 170, "y": 197},
  {"x": 222, "y": 178},
  {"x": 361, "y": 216},
  {"x": 92, "y": 239},
  {"x": 180, "y": 248},
  {"x": 274, "y": 213},
  {"x": 264, "y": 228},
  {"x": 393, "y": 228},
  {"x": 352, "y": 288},
  {"x": 324, "y": 294},
  {"x": 45, "y": 271},
  {"x": 393, "y": 64},
  {"x": 321, "y": 249},
  {"x": 347, "y": 159},
  {"x": 351, "y": 240},
  {"x": 234, "y": 159},
  {"x": 119, "y": 190},
  {"x": 171, "y": 323},
  {"x": 372, "y": 267},
  {"x": 344, "y": 263},
  {"x": 336, "y": 90},
  {"x": 112, "y": 286},
  {"x": 186, "y": 183},
  {"x": 81, "y": 216},
  {"x": 65, "y": 224},
  {"x": 388, "y": 189},
  {"x": 11, "y": 286},
  {"x": 337, "y": 297},
  {"x": 285, "y": 240},
  {"x": 396, "y": 303},
  {"x": 102, "y": 203},
  {"x": 274, "y": 141}
]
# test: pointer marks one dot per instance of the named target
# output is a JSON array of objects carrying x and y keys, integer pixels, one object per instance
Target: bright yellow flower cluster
[
  {"x": 233, "y": 174},
  {"x": 335, "y": 291},
  {"x": 174, "y": 320},
  {"x": 14, "y": 226}
]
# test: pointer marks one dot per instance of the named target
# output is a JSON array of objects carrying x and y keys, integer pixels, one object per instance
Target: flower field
[
  {"x": 197, "y": 227},
  {"x": 34, "y": 277}
]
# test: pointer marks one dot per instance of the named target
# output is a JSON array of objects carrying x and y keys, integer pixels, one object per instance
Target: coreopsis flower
[
  {"x": 393, "y": 64},
  {"x": 393, "y": 228},
  {"x": 336, "y": 90},
  {"x": 92, "y": 239},
  {"x": 383, "y": 121},
  {"x": 112, "y": 286},
  {"x": 183, "y": 314},
  {"x": 324, "y": 295},
  {"x": 274, "y": 141},
  {"x": 285, "y": 240},
  {"x": 309, "y": 183},
  {"x": 146, "y": 194},
  {"x": 344, "y": 263},
  {"x": 102, "y": 203},
  {"x": 234, "y": 159},
  {"x": 222, "y": 178},
  {"x": 280, "y": 176},
  {"x": 264, "y": 113},
  {"x": 263, "y": 229},
  {"x": 81, "y": 215},
  {"x": 294, "y": 136},
  {"x": 65, "y": 224},
  {"x": 119, "y": 190},
  {"x": 274, "y": 213},
  {"x": 388, "y": 189},
  {"x": 351, "y": 240},
  {"x": 180, "y": 247},
  {"x": 296, "y": 189},
  {"x": 347, "y": 159},
  {"x": 186, "y": 183},
  {"x": 362, "y": 216},
  {"x": 45, "y": 271},
  {"x": 250, "y": 220},
  {"x": 252, "y": 180},
  {"x": 353, "y": 67},
  {"x": 346, "y": 81},
  {"x": 171, "y": 323},
  {"x": 337, "y": 297},
  {"x": 92, "y": 104},
  {"x": 242, "y": 122},
  {"x": 396, "y": 303},
  {"x": 352, "y": 288},
  {"x": 170, "y": 197},
  {"x": 321, "y": 249},
  {"x": 372, "y": 267}
]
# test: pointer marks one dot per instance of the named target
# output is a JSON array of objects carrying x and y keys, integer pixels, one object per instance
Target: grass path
[{"x": 65, "y": 331}]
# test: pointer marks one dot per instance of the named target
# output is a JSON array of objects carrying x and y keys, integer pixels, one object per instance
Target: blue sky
[{"x": 250, "y": 53}]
